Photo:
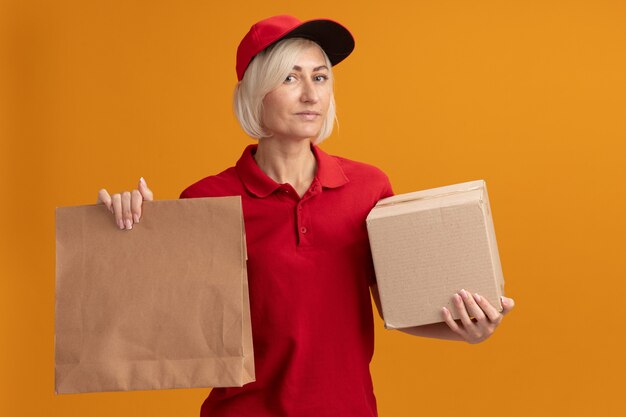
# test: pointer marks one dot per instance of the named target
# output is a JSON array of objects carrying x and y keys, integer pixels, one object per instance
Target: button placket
[{"x": 302, "y": 228}]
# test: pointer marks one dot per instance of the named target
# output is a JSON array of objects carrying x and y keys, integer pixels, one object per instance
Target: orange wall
[{"x": 529, "y": 95}]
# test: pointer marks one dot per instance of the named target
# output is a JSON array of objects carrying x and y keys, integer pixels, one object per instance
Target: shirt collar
[{"x": 329, "y": 172}]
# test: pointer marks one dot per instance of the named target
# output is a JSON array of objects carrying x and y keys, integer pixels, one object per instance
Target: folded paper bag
[{"x": 162, "y": 306}]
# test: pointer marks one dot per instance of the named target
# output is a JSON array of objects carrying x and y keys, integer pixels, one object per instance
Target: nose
[{"x": 309, "y": 92}]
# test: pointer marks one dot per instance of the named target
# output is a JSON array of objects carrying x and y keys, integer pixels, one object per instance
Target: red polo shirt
[{"x": 309, "y": 271}]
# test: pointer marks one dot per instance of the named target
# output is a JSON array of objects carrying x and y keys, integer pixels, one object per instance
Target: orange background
[{"x": 529, "y": 95}]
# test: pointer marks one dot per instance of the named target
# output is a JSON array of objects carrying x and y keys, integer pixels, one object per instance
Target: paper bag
[{"x": 164, "y": 305}]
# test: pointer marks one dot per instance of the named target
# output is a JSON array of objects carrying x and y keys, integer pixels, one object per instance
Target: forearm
[{"x": 435, "y": 331}]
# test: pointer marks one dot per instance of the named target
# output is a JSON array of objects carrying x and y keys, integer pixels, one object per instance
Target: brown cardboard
[
  {"x": 164, "y": 305},
  {"x": 429, "y": 244}
]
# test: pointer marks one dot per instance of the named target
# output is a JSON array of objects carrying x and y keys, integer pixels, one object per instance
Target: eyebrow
[{"x": 321, "y": 67}]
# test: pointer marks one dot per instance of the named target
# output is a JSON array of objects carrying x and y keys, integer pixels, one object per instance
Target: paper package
[
  {"x": 164, "y": 305},
  {"x": 430, "y": 244}
]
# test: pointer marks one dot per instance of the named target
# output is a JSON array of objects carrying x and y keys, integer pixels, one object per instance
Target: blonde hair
[{"x": 268, "y": 70}]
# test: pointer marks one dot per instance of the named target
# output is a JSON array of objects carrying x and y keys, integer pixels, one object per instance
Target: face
[{"x": 297, "y": 108}]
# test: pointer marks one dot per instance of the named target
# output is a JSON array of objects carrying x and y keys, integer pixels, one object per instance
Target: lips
[{"x": 308, "y": 115}]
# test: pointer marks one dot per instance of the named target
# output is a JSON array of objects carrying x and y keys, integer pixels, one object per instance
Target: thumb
[
  {"x": 146, "y": 193},
  {"x": 507, "y": 304}
]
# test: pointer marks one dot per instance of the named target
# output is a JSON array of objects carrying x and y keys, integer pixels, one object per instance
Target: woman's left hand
[{"x": 486, "y": 316}]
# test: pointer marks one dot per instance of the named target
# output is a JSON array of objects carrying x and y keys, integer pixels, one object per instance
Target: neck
[{"x": 287, "y": 162}]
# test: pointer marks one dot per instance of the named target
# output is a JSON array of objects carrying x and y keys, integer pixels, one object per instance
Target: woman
[{"x": 310, "y": 269}]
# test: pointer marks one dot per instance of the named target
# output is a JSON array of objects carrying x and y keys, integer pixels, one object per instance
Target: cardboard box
[{"x": 430, "y": 244}]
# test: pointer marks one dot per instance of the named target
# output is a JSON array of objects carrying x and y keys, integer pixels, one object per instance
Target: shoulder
[
  {"x": 356, "y": 168},
  {"x": 225, "y": 183}
]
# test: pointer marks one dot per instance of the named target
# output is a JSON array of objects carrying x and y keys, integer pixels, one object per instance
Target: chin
[
  {"x": 305, "y": 135},
  {"x": 298, "y": 134}
]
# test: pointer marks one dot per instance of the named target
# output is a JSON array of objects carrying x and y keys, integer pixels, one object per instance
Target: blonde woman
[{"x": 310, "y": 269}]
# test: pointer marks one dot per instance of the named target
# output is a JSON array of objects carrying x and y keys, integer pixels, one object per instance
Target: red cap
[{"x": 332, "y": 37}]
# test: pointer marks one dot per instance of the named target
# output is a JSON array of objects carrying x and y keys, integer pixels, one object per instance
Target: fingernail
[
  {"x": 477, "y": 297},
  {"x": 129, "y": 224},
  {"x": 120, "y": 224},
  {"x": 445, "y": 311},
  {"x": 141, "y": 180},
  {"x": 463, "y": 293},
  {"x": 136, "y": 218}
]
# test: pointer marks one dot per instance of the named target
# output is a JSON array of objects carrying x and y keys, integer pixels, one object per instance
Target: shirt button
[{"x": 303, "y": 230}]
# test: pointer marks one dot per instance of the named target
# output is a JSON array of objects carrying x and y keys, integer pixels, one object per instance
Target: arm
[{"x": 486, "y": 318}]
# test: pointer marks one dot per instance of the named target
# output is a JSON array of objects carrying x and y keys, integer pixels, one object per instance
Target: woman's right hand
[{"x": 126, "y": 206}]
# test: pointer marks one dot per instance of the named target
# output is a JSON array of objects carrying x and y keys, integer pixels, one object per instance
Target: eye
[
  {"x": 289, "y": 79},
  {"x": 321, "y": 78}
]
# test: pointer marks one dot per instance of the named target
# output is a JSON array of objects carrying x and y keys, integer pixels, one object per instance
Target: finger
[
  {"x": 116, "y": 202},
  {"x": 473, "y": 309},
  {"x": 105, "y": 198},
  {"x": 135, "y": 205},
  {"x": 461, "y": 310},
  {"x": 490, "y": 311},
  {"x": 127, "y": 215},
  {"x": 447, "y": 317},
  {"x": 507, "y": 304},
  {"x": 146, "y": 193}
]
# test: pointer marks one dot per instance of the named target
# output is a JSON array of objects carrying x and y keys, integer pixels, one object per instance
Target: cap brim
[{"x": 333, "y": 38}]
